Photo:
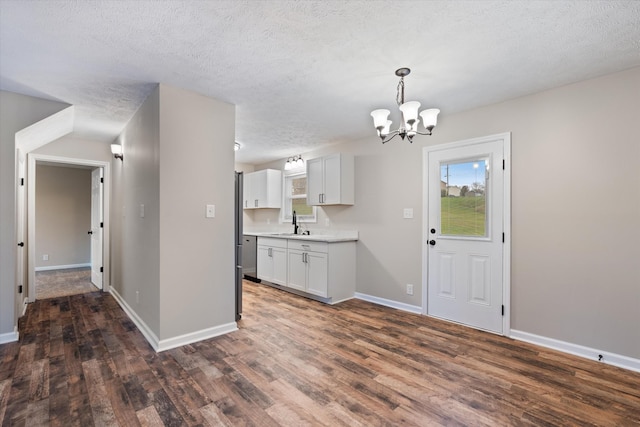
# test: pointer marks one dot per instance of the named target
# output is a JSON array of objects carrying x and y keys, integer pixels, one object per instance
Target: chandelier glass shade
[{"x": 409, "y": 126}]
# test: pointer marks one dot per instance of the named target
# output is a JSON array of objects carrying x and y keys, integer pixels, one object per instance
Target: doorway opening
[{"x": 93, "y": 229}]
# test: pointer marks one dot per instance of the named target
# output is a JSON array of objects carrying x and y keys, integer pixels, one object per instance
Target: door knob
[
  {"x": 89, "y": 232},
  {"x": 21, "y": 244},
  {"x": 432, "y": 242}
]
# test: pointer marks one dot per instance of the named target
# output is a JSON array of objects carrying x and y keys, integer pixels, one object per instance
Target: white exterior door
[
  {"x": 464, "y": 233},
  {"x": 96, "y": 227}
]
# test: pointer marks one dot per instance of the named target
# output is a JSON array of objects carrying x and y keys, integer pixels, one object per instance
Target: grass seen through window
[{"x": 463, "y": 216}]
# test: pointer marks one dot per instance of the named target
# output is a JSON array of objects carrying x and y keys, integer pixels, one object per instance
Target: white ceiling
[{"x": 305, "y": 73}]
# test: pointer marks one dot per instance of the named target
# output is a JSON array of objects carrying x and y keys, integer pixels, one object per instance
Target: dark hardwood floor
[{"x": 81, "y": 362}]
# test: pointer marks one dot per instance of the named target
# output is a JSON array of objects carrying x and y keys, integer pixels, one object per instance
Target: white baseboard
[
  {"x": 169, "y": 343},
  {"x": 9, "y": 337},
  {"x": 62, "y": 267},
  {"x": 578, "y": 350},
  {"x": 146, "y": 330},
  {"x": 389, "y": 303}
]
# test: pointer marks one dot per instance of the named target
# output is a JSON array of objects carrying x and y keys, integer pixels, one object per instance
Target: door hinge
[
  {"x": 503, "y": 164},
  {"x": 101, "y": 180},
  {"x": 101, "y": 269},
  {"x": 20, "y": 289},
  {"x": 503, "y": 309},
  {"x": 22, "y": 182},
  {"x": 102, "y": 226},
  {"x": 502, "y": 237}
]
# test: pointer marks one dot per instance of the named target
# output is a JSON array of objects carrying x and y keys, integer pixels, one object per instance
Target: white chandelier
[{"x": 409, "y": 128}]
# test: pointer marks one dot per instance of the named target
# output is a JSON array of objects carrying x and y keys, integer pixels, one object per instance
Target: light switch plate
[
  {"x": 211, "y": 211},
  {"x": 408, "y": 213}
]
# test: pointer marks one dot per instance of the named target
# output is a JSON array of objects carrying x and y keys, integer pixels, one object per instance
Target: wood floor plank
[{"x": 82, "y": 362}]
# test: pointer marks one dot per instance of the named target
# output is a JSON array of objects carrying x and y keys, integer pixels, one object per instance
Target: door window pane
[{"x": 463, "y": 207}]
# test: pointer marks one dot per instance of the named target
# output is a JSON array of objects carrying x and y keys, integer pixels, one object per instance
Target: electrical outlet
[
  {"x": 407, "y": 213},
  {"x": 137, "y": 297},
  {"x": 210, "y": 211},
  {"x": 409, "y": 289},
  {"x": 45, "y": 257}
]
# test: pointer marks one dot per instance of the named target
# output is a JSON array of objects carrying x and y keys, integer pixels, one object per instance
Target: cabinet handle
[
  {"x": 255, "y": 203},
  {"x": 246, "y": 203},
  {"x": 269, "y": 253}
]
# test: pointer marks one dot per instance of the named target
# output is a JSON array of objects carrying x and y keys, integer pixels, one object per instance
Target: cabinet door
[
  {"x": 279, "y": 257},
  {"x": 315, "y": 181},
  {"x": 332, "y": 176},
  {"x": 247, "y": 191},
  {"x": 297, "y": 270},
  {"x": 317, "y": 274},
  {"x": 265, "y": 264},
  {"x": 259, "y": 188}
]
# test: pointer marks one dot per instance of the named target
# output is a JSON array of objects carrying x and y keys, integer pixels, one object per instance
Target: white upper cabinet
[
  {"x": 330, "y": 180},
  {"x": 262, "y": 189}
]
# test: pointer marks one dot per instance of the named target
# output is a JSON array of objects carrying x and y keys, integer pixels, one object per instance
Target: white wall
[
  {"x": 575, "y": 210},
  {"x": 63, "y": 216},
  {"x": 16, "y": 113}
]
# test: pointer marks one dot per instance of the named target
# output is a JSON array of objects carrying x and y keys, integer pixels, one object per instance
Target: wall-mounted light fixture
[
  {"x": 236, "y": 146},
  {"x": 294, "y": 162},
  {"x": 116, "y": 150}
]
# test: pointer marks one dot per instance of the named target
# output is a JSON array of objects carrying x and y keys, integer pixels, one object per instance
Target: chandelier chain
[{"x": 400, "y": 92}]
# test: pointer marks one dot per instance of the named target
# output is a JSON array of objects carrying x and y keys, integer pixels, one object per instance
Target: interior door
[
  {"x": 96, "y": 227},
  {"x": 465, "y": 234},
  {"x": 20, "y": 212}
]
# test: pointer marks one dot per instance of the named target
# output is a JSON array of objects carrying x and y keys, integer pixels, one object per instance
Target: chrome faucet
[{"x": 295, "y": 223}]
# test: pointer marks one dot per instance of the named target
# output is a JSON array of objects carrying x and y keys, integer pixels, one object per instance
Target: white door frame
[
  {"x": 506, "y": 254},
  {"x": 31, "y": 213}
]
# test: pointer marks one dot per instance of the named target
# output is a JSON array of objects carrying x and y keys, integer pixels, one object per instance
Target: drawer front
[
  {"x": 308, "y": 246},
  {"x": 272, "y": 242}
]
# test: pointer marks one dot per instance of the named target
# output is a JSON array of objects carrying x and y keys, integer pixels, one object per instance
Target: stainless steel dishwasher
[{"x": 250, "y": 257}]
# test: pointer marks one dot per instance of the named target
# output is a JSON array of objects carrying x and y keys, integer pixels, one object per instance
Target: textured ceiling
[{"x": 305, "y": 73}]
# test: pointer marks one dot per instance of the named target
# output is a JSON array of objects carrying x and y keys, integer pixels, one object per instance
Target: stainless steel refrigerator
[{"x": 238, "y": 243}]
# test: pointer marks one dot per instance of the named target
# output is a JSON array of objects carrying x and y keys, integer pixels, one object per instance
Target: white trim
[
  {"x": 506, "y": 253},
  {"x": 9, "y": 337},
  {"x": 169, "y": 343},
  {"x": 31, "y": 207},
  {"x": 389, "y": 303},
  {"x": 578, "y": 350},
  {"x": 144, "y": 329},
  {"x": 191, "y": 337},
  {"x": 25, "y": 304},
  {"x": 62, "y": 267}
]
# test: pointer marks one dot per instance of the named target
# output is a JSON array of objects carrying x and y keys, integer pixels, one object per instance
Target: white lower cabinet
[
  {"x": 322, "y": 269},
  {"x": 272, "y": 260},
  {"x": 308, "y": 270}
]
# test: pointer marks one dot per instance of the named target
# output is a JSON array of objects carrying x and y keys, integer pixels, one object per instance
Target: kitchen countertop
[{"x": 324, "y": 237}]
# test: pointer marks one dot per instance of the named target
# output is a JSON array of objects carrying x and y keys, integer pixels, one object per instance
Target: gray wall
[
  {"x": 575, "y": 210},
  {"x": 63, "y": 216},
  {"x": 178, "y": 157},
  {"x": 196, "y": 253},
  {"x": 135, "y": 241},
  {"x": 16, "y": 113}
]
